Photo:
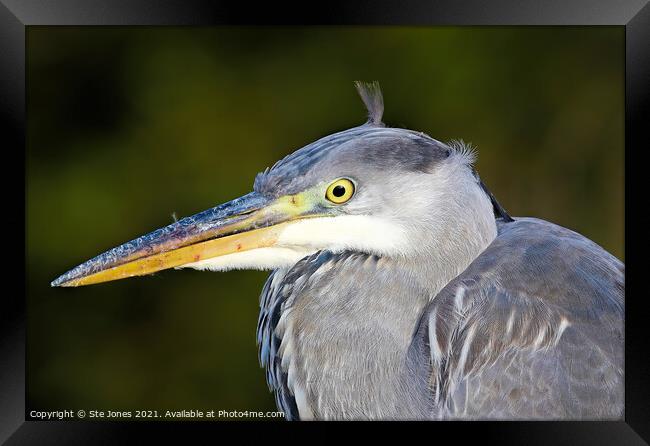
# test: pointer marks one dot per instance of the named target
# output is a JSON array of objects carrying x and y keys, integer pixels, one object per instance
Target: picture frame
[{"x": 634, "y": 15}]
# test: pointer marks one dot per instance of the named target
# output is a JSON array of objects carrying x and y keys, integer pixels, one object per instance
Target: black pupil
[{"x": 338, "y": 191}]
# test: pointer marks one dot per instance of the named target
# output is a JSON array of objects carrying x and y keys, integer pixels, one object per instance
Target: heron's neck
[
  {"x": 345, "y": 323},
  {"x": 458, "y": 228},
  {"x": 346, "y": 319}
]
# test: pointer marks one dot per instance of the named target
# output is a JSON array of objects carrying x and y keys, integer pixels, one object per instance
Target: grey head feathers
[
  {"x": 371, "y": 96},
  {"x": 370, "y": 150},
  {"x": 469, "y": 152},
  {"x": 360, "y": 148}
]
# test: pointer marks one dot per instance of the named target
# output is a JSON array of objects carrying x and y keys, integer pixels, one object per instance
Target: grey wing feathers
[{"x": 532, "y": 329}]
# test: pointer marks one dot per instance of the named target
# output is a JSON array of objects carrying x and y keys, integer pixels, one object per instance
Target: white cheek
[
  {"x": 260, "y": 259},
  {"x": 305, "y": 237},
  {"x": 355, "y": 232}
]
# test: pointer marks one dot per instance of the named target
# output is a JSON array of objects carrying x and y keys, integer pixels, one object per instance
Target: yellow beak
[{"x": 246, "y": 223}]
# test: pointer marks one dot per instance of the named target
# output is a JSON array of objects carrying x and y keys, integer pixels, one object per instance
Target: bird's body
[
  {"x": 487, "y": 346},
  {"x": 401, "y": 289}
]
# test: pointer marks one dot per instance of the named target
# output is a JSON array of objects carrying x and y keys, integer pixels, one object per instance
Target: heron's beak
[{"x": 246, "y": 223}]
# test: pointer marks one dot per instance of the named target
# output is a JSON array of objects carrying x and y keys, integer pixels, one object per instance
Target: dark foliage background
[{"x": 129, "y": 125}]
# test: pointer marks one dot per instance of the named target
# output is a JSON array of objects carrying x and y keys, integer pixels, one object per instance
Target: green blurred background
[{"x": 130, "y": 125}]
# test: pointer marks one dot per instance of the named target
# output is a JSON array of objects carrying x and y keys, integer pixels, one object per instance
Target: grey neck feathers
[
  {"x": 459, "y": 225},
  {"x": 347, "y": 323}
]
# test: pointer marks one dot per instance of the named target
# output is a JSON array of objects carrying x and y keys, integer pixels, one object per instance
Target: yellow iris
[{"x": 340, "y": 191}]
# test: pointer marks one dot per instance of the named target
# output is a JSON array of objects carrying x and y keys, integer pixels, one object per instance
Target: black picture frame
[{"x": 16, "y": 15}]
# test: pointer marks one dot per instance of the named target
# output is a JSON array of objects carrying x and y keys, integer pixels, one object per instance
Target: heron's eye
[{"x": 340, "y": 191}]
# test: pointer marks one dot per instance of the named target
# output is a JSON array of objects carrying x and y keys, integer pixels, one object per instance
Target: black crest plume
[{"x": 371, "y": 96}]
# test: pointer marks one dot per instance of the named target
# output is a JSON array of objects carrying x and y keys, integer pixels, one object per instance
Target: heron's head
[{"x": 386, "y": 191}]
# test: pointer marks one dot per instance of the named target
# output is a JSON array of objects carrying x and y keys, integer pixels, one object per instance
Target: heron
[{"x": 401, "y": 289}]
